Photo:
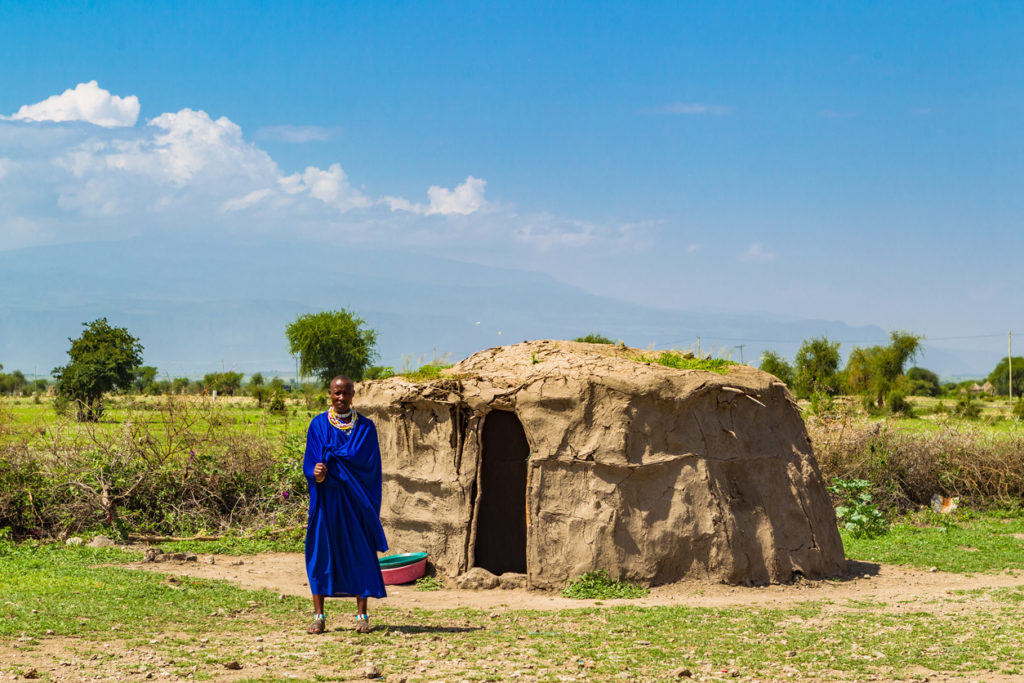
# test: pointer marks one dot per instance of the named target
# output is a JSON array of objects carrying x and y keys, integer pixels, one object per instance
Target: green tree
[
  {"x": 332, "y": 343},
  {"x": 12, "y": 383},
  {"x": 225, "y": 383},
  {"x": 103, "y": 359},
  {"x": 145, "y": 378},
  {"x": 258, "y": 388},
  {"x": 774, "y": 364},
  {"x": 814, "y": 367},
  {"x": 179, "y": 385},
  {"x": 877, "y": 371},
  {"x": 1000, "y": 378},
  {"x": 922, "y": 382}
]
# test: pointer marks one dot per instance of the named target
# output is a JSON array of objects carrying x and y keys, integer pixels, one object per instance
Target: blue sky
[{"x": 853, "y": 161}]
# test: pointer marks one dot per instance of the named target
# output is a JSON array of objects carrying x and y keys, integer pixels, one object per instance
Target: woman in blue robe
[{"x": 344, "y": 533}]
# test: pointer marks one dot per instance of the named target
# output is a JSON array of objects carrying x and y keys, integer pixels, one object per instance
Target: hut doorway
[{"x": 501, "y": 518}]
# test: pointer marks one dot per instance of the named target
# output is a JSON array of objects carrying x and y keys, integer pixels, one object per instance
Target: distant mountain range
[{"x": 201, "y": 308}]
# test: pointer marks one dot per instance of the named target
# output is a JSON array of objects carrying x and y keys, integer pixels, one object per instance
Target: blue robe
[{"x": 344, "y": 533}]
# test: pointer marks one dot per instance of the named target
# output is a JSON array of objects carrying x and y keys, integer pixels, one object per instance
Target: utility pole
[
  {"x": 1009, "y": 362},
  {"x": 698, "y": 346},
  {"x": 740, "y": 347}
]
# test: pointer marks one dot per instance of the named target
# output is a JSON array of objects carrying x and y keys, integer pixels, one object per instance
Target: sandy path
[{"x": 285, "y": 573}]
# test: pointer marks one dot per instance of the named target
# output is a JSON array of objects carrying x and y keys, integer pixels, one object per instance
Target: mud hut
[{"x": 554, "y": 458}]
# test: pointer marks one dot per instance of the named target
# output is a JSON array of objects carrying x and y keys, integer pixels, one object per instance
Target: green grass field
[
  {"x": 74, "y": 612},
  {"x": 34, "y": 420},
  {"x": 115, "y": 622}
]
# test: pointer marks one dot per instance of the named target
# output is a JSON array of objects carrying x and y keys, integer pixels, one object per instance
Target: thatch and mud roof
[{"x": 555, "y": 458}]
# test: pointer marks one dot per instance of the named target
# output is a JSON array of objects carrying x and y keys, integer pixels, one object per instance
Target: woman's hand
[{"x": 320, "y": 472}]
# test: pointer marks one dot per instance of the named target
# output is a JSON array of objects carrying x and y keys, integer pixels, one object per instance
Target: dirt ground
[
  {"x": 896, "y": 589},
  {"x": 285, "y": 573}
]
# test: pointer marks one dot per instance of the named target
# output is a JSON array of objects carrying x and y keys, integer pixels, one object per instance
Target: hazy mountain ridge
[{"x": 197, "y": 308}]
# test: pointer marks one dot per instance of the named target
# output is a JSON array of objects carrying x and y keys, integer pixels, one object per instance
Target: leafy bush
[
  {"x": 856, "y": 512},
  {"x": 1018, "y": 408},
  {"x": 277, "y": 404},
  {"x": 966, "y": 407},
  {"x": 175, "y": 473},
  {"x": 821, "y": 404},
  {"x": 983, "y": 467},
  {"x": 598, "y": 585},
  {"x": 896, "y": 403}
]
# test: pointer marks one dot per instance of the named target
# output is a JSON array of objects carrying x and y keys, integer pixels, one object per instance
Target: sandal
[
  {"x": 363, "y": 623},
  {"x": 318, "y": 626}
]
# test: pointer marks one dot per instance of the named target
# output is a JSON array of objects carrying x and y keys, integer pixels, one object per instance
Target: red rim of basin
[{"x": 406, "y": 574}]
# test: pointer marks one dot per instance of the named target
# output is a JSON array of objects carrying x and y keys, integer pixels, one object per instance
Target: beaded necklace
[{"x": 336, "y": 420}]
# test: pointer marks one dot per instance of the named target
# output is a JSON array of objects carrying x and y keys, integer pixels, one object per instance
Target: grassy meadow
[
  {"x": 174, "y": 467},
  {"x": 75, "y": 612}
]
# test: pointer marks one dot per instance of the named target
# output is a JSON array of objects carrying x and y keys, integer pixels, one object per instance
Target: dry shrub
[
  {"x": 174, "y": 469},
  {"x": 983, "y": 468}
]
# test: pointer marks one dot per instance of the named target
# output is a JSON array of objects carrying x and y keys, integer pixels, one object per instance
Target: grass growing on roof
[
  {"x": 686, "y": 361},
  {"x": 427, "y": 372},
  {"x": 671, "y": 359}
]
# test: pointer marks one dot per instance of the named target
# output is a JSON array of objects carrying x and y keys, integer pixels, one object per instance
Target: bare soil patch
[{"x": 286, "y": 573}]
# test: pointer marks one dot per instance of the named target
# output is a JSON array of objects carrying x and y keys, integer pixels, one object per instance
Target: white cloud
[
  {"x": 402, "y": 204},
  {"x": 692, "y": 109},
  {"x": 546, "y": 232},
  {"x": 465, "y": 199},
  {"x": 186, "y": 171},
  {"x": 330, "y": 186},
  {"x": 178, "y": 159},
  {"x": 86, "y": 102},
  {"x": 252, "y": 199},
  {"x": 756, "y": 253},
  {"x": 298, "y": 134}
]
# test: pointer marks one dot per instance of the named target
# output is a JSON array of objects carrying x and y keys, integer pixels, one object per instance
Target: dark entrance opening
[{"x": 501, "y": 519}]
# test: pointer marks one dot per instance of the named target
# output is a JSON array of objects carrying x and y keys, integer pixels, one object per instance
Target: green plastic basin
[{"x": 392, "y": 561}]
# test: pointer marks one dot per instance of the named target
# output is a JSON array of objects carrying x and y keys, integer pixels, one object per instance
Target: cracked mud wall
[
  {"x": 430, "y": 451},
  {"x": 652, "y": 473}
]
